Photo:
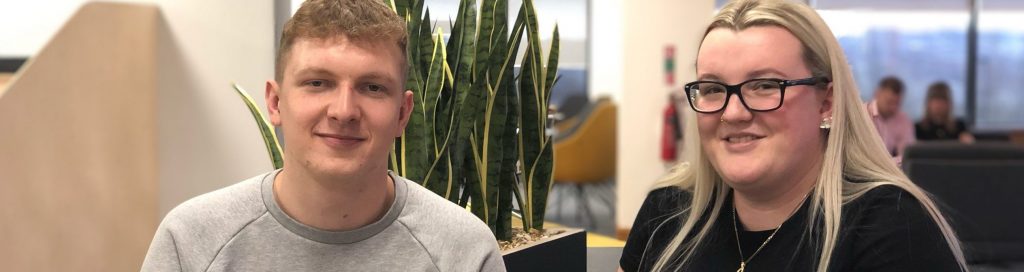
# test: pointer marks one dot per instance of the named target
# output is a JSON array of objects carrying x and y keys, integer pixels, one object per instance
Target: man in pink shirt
[{"x": 895, "y": 127}]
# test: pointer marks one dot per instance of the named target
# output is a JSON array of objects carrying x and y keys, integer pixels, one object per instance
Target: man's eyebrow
[
  {"x": 379, "y": 76},
  {"x": 314, "y": 71}
]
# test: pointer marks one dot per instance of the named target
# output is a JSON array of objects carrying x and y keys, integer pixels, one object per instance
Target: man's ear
[
  {"x": 826, "y": 103},
  {"x": 273, "y": 99},
  {"x": 404, "y": 111}
]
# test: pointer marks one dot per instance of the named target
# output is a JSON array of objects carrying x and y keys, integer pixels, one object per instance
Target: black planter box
[{"x": 565, "y": 252}]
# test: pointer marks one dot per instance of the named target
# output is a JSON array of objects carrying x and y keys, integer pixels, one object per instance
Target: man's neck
[
  {"x": 765, "y": 208},
  {"x": 334, "y": 204}
]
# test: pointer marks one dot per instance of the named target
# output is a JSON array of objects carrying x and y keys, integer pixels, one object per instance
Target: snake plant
[{"x": 477, "y": 133}]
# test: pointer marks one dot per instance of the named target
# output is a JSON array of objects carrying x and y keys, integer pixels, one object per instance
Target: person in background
[
  {"x": 787, "y": 173},
  {"x": 893, "y": 125},
  {"x": 938, "y": 122},
  {"x": 339, "y": 96}
]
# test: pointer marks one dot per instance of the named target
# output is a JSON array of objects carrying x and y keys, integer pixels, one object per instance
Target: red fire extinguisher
[{"x": 671, "y": 132}]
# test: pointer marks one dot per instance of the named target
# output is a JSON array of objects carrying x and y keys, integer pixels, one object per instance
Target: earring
[{"x": 826, "y": 123}]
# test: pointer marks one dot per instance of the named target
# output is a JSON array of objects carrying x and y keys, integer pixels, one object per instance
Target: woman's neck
[{"x": 759, "y": 210}]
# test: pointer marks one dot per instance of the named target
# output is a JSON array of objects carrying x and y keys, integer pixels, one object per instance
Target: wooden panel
[
  {"x": 78, "y": 165},
  {"x": 5, "y": 78}
]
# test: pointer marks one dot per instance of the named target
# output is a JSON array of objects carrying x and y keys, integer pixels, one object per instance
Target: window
[
  {"x": 919, "y": 47},
  {"x": 999, "y": 66}
]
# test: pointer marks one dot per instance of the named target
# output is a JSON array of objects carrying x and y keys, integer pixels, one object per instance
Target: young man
[
  {"x": 894, "y": 126},
  {"x": 338, "y": 96}
]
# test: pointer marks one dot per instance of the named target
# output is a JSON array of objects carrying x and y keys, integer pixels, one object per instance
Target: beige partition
[
  {"x": 4, "y": 78},
  {"x": 78, "y": 162}
]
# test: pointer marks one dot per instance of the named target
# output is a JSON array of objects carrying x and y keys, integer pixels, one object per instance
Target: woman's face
[
  {"x": 761, "y": 149},
  {"x": 938, "y": 109}
]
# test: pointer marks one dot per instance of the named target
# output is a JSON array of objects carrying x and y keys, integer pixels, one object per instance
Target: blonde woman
[{"x": 788, "y": 172}]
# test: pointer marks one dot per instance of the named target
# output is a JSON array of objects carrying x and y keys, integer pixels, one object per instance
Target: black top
[
  {"x": 938, "y": 131},
  {"x": 886, "y": 229}
]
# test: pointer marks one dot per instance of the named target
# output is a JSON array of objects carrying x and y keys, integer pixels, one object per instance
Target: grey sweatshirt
[{"x": 242, "y": 228}]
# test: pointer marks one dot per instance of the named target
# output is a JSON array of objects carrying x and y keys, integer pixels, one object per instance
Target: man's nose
[{"x": 344, "y": 106}]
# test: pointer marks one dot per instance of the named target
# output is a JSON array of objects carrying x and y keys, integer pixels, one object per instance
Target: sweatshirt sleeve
[
  {"x": 163, "y": 253},
  {"x": 493, "y": 261}
]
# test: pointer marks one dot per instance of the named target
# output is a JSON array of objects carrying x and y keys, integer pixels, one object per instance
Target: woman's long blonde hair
[{"x": 854, "y": 161}]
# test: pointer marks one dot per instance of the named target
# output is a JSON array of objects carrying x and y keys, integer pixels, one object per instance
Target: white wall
[
  {"x": 649, "y": 26},
  {"x": 606, "y": 49},
  {"x": 207, "y": 139},
  {"x": 25, "y": 26}
]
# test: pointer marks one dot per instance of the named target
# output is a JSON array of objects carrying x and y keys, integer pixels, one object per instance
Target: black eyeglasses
[{"x": 759, "y": 94}]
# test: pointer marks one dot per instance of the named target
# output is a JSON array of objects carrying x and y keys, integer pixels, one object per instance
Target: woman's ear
[
  {"x": 273, "y": 99},
  {"x": 826, "y": 103}
]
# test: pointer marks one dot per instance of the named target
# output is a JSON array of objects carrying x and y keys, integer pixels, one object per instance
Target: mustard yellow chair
[{"x": 585, "y": 154}]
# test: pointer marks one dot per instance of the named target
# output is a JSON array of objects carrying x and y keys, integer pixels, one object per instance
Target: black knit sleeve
[{"x": 653, "y": 228}]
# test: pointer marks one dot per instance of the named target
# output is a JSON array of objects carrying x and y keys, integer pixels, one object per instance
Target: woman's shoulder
[
  {"x": 961, "y": 126},
  {"x": 886, "y": 210},
  {"x": 884, "y": 201},
  {"x": 655, "y": 225},
  {"x": 889, "y": 227},
  {"x": 667, "y": 198},
  {"x": 660, "y": 205}
]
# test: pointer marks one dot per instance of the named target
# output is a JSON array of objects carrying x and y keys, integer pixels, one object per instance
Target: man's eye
[
  {"x": 316, "y": 83},
  {"x": 374, "y": 88}
]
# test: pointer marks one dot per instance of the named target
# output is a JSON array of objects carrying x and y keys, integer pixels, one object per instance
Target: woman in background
[
  {"x": 787, "y": 173},
  {"x": 938, "y": 122}
]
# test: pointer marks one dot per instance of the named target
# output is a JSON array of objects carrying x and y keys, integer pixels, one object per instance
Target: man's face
[
  {"x": 341, "y": 103},
  {"x": 888, "y": 102}
]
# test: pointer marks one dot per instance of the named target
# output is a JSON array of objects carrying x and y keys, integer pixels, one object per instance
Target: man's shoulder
[
  {"x": 427, "y": 209},
  {"x": 904, "y": 118},
  {"x": 236, "y": 204},
  {"x": 191, "y": 235},
  {"x": 455, "y": 239}
]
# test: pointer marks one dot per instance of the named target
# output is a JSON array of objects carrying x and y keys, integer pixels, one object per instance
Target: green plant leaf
[
  {"x": 436, "y": 144},
  {"x": 266, "y": 130},
  {"x": 541, "y": 185},
  {"x": 467, "y": 104},
  {"x": 551, "y": 71}
]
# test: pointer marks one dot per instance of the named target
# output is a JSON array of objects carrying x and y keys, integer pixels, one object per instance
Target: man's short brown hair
[
  {"x": 358, "y": 20},
  {"x": 892, "y": 83}
]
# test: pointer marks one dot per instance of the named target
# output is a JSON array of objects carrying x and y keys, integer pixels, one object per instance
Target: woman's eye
[
  {"x": 713, "y": 90},
  {"x": 764, "y": 86}
]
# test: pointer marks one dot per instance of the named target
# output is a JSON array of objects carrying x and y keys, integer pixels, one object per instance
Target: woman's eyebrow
[
  {"x": 766, "y": 72},
  {"x": 708, "y": 77}
]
